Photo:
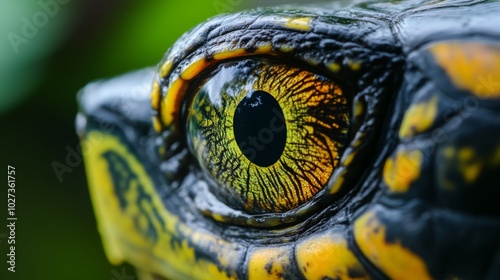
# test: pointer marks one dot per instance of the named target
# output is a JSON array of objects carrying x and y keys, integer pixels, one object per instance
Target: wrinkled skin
[{"x": 414, "y": 194}]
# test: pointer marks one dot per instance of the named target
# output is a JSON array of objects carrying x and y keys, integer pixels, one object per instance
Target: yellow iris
[{"x": 268, "y": 135}]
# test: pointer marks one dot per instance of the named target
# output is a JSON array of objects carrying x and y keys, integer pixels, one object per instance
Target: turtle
[{"x": 344, "y": 140}]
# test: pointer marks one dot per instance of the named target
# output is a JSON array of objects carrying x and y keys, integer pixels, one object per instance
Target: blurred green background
[{"x": 49, "y": 49}]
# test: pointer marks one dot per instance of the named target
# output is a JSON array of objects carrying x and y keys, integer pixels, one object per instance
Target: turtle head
[{"x": 310, "y": 142}]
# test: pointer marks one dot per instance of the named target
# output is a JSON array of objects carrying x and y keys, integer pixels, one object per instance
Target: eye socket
[{"x": 268, "y": 135}]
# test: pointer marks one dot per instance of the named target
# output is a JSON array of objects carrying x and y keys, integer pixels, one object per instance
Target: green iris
[{"x": 267, "y": 135}]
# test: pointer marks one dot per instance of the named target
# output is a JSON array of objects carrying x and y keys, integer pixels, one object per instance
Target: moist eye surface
[{"x": 267, "y": 135}]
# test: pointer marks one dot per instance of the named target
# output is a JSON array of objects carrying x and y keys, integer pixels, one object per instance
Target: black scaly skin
[{"x": 457, "y": 235}]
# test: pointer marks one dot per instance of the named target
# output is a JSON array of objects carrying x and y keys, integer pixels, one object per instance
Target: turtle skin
[{"x": 414, "y": 184}]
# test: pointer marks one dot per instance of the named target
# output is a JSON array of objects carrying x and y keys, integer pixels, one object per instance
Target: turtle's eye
[{"x": 267, "y": 135}]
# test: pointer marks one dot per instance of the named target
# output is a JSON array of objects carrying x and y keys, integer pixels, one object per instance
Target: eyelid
[
  {"x": 181, "y": 80},
  {"x": 256, "y": 34}
]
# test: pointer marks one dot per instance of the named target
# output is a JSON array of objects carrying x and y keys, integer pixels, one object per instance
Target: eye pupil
[{"x": 259, "y": 128}]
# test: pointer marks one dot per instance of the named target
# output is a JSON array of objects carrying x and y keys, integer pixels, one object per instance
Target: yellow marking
[
  {"x": 471, "y": 66},
  {"x": 218, "y": 217},
  {"x": 263, "y": 49},
  {"x": 449, "y": 152},
  {"x": 230, "y": 54},
  {"x": 156, "y": 124},
  {"x": 359, "y": 109},
  {"x": 466, "y": 154},
  {"x": 419, "y": 118},
  {"x": 162, "y": 150},
  {"x": 155, "y": 95},
  {"x": 194, "y": 69},
  {"x": 354, "y": 65},
  {"x": 347, "y": 158},
  {"x": 334, "y": 67},
  {"x": 358, "y": 141},
  {"x": 302, "y": 24},
  {"x": 268, "y": 263},
  {"x": 171, "y": 256},
  {"x": 328, "y": 256},
  {"x": 311, "y": 61},
  {"x": 403, "y": 169},
  {"x": 339, "y": 181},
  {"x": 286, "y": 48},
  {"x": 495, "y": 158},
  {"x": 165, "y": 69},
  {"x": 465, "y": 161},
  {"x": 172, "y": 101},
  {"x": 470, "y": 168},
  {"x": 393, "y": 259},
  {"x": 471, "y": 172},
  {"x": 469, "y": 165}
]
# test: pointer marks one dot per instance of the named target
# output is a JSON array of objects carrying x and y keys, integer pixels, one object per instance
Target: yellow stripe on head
[{"x": 135, "y": 225}]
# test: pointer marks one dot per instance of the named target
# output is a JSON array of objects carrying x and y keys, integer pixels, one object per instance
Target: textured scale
[{"x": 414, "y": 190}]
